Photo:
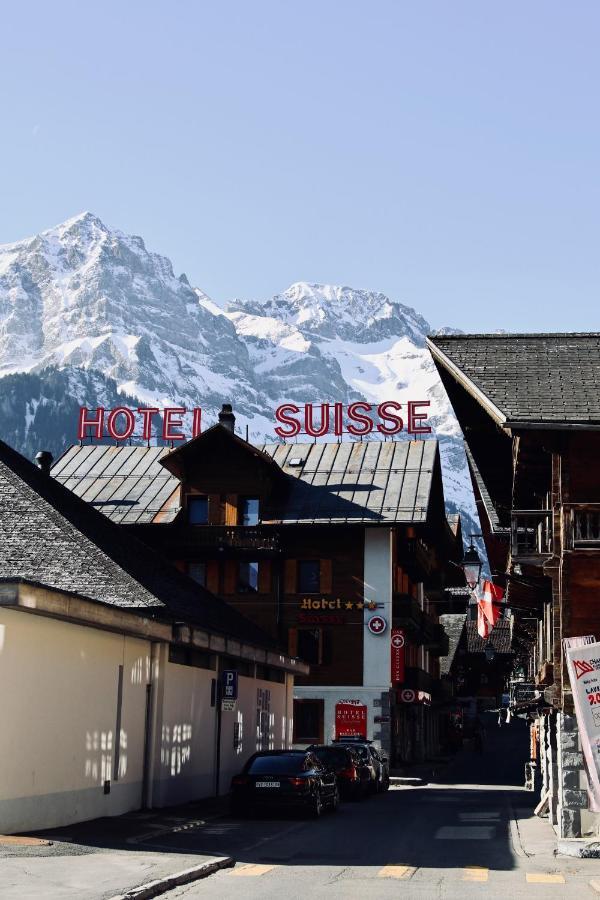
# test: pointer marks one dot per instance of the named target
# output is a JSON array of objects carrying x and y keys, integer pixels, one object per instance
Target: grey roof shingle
[
  {"x": 50, "y": 536},
  {"x": 546, "y": 379},
  {"x": 454, "y": 624},
  {"x": 500, "y": 638}
]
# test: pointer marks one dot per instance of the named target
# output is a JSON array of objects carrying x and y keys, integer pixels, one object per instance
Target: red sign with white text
[
  {"x": 350, "y": 720},
  {"x": 398, "y": 645}
]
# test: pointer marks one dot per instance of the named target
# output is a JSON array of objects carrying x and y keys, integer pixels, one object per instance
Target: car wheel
[
  {"x": 386, "y": 783},
  {"x": 335, "y": 800},
  {"x": 317, "y": 806}
]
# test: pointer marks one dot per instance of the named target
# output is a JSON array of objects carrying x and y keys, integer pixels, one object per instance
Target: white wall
[
  {"x": 58, "y": 713},
  {"x": 378, "y": 588},
  {"x": 185, "y": 734},
  {"x": 246, "y": 713},
  {"x": 333, "y": 695}
]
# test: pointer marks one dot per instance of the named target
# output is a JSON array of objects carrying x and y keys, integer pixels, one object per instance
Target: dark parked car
[
  {"x": 285, "y": 778},
  {"x": 353, "y": 775},
  {"x": 376, "y": 759}
]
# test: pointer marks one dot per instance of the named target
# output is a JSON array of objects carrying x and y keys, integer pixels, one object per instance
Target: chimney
[
  {"x": 44, "y": 460},
  {"x": 226, "y": 417}
]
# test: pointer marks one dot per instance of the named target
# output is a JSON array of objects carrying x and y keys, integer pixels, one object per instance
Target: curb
[
  {"x": 579, "y": 848},
  {"x": 411, "y": 782},
  {"x": 161, "y": 885}
]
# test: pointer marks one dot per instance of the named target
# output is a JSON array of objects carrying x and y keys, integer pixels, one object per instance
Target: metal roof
[
  {"x": 363, "y": 482},
  {"x": 128, "y": 484},
  {"x": 527, "y": 380},
  {"x": 359, "y": 482}
]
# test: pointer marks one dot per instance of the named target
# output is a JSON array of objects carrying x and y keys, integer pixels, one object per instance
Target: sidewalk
[{"x": 107, "y": 858}]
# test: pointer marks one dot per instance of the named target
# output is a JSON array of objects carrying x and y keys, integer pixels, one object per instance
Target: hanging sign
[
  {"x": 398, "y": 642},
  {"x": 407, "y": 696},
  {"x": 376, "y": 624},
  {"x": 583, "y": 665},
  {"x": 350, "y": 719}
]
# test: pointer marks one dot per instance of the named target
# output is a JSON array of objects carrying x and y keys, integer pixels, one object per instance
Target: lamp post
[{"x": 471, "y": 564}]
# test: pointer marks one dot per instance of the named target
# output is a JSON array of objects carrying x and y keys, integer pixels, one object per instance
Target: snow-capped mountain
[{"x": 88, "y": 313}]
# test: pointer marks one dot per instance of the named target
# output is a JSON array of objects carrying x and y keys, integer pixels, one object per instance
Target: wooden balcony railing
[{"x": 531, "y": 533}]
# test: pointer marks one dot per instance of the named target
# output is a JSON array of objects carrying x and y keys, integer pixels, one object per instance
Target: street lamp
[
  {"x": 471, "y": 565},
  {"x": 489, "y": 651}
]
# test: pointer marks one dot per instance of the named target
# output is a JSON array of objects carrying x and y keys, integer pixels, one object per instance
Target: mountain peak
[{"x": 339, "y": 311}]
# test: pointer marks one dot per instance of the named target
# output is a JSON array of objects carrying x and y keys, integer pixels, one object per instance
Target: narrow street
[{"x": 473, "y": 827}]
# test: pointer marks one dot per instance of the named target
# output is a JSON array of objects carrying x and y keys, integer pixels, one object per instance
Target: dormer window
[
  {"x": 249, "y": 511},
  {"x": 197, "y": 509}
]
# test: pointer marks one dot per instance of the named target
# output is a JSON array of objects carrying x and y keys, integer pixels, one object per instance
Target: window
[
  {"x": 314, "y": 646},
  {"x": 248, "y": 577},
  {"x": 197, "y": 571},
  {"x": 309, "y": 576},
  {"x": 197, "y": 510},
  {"x": 250, "y": 511},
  {"x": 308, "y": 721}
]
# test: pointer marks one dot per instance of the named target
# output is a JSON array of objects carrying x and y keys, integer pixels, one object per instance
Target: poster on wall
[
  {"x": 583, "y": 665},
  {"x": 350, "y": 719}
]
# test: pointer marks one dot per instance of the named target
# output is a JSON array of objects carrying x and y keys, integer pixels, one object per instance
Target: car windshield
[
  {"x": 332, "y": 756},
  {"x": 284, "y": 764},
  {"x": 363, "y": 752}
]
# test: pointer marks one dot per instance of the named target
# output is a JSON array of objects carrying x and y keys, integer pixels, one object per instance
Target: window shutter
[
  {"x": 231, "y": 571},
  {"x": 212, "y": 576},
  {"x": 326, "y": 576},
  {"x": 264, "y": 576},
  {"x": 293, "y": 641},
  {"x": 291, "y": 576},
  {"x": 231, "y": 509},
  {"x": 214, "y": 509}
]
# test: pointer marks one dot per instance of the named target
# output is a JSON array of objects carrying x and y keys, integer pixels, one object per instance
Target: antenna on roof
[{"x": 247, "y": 433}]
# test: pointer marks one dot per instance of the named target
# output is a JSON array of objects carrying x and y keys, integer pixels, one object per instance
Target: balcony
[
  {"x": 415, "y": 557},
  {"x": 531, "y": 535},
  {"x": 407, "y": 614},
  {"x": 227, "y": 540},
  {"x": 437, "y": 640}
]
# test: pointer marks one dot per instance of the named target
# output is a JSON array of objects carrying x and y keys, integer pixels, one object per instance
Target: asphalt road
[{"x": 457, "y": 838}]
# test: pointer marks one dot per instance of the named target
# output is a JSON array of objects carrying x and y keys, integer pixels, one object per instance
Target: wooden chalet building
[
  {"x": 324, "y": 546},
  {"x": 529, "y": 408}
]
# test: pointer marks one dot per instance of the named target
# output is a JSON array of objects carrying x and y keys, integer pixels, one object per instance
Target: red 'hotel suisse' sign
[
  {"x": 350, "y": 719},
  {"x": 312, "y": 419}
]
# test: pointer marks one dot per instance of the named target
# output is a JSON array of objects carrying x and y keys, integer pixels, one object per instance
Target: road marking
[
  {"x": 251, "y": 870},
  {"x": 466, "y": 833},
  {"x": 13, "y": 840},
  {"x": 396, "y": 872},
  {"x": 545, "y": 878},
  {"x": 475, "y": 873}
]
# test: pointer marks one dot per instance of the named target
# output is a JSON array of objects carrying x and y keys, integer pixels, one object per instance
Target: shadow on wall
[{"x": 176, "y": 747}]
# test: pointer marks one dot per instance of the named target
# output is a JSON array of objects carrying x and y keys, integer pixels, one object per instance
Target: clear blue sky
[{"x": 446, "y": 153}]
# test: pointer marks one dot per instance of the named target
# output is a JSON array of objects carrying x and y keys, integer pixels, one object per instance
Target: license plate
[{"x": 268, "y": 784}]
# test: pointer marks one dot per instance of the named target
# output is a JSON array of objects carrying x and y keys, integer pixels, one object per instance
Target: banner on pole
[{"x": 398, "y": 646}]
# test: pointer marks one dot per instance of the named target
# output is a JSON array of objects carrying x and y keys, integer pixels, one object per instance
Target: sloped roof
[
  {"x": 128, "y": 484},
  {"x": 500, "y": 638},
  {"x": 527, "y": 380},
  {"x": 50, "y": 536},
  {"x": 454, "y": 624},
  {"x": 366, "y": 482},
  {"x": 375, "y": 482}
]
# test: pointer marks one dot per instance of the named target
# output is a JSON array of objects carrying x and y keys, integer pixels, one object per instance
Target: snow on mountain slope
[{"x": 84, "y": 298}]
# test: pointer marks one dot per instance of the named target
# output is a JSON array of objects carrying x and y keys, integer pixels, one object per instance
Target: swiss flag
[{"x": 488, "y": 610}]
